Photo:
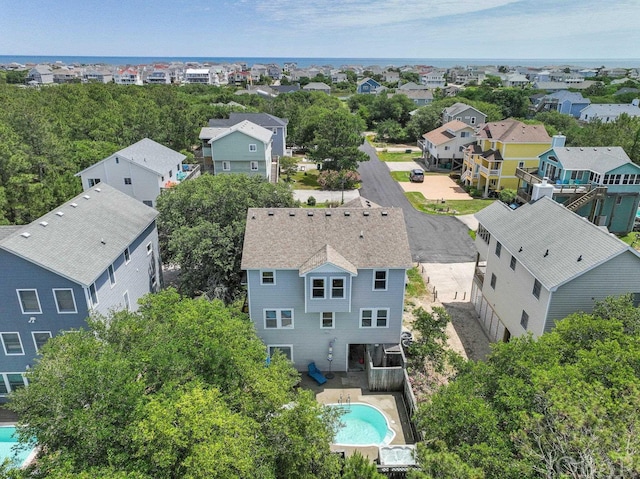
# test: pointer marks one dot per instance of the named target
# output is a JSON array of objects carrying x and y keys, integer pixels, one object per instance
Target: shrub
[
  {"x": 311, "y": 201},
  {"x": 336, "y": 180}
]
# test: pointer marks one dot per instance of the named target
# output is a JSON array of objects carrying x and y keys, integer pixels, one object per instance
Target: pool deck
[{"x": 353, "y": 385}]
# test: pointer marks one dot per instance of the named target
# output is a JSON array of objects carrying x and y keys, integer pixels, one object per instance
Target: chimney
[
  {"x": 542, "y": 189},
  {"x": 558, "y": 140}
]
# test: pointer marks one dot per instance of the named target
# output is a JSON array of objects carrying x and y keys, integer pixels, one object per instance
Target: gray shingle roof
[
  {"x": 599, "y": 160},
  {"x": 288, "y": 238},
  {"x": 82, "y": 242},
  {"x": 263, "y": 119},
  {"x": 610, "y": 109},
  {"x": 548, "y": 226},
  {"x": 245, "y": 126}
]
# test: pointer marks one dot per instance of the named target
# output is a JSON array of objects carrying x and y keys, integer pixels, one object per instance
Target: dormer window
[
  {"x": 317, "y": 288},
  {"x": 337, "y": 288}
]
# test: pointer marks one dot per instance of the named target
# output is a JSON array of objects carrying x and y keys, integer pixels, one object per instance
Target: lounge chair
[{"x": 315, "y": 373}]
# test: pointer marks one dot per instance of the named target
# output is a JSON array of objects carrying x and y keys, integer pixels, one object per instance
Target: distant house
[
  {"x": 608, "y": 112},
  {"x": 601, "y": 184},
  {"x": 241, "y": 148},
  {"x": 96, "y": 253},
  {"x": 433, "y": 79},
  {"x": 330, "y": 290},
  {"x": 286, "y": 88},
  {"x": 551, "y": 86},
  {"x": 41, "y": 75},
  {"x": 368, "y": 86},
  {"x": 541, "y": 262},
  {"x": 391, "y": 76},
  {"x": 338, "y": 77},
  {"x": 127, "y": 76},
  {"x": 159, "y": 77},
  {"x": 464, "y": 113},
  {"x": 64, "y": 75},
  {"x": 97, "y": 76},
  {"x": 515, "y": 80},
  {"x": 563, "y": 101},
  {"x": 411, "y": 86},
  {"x": 317, "y": 86},
  {"x": 202, "y": 76},
  {"x": 140, "y": 170},
  {"x": 419, "y": 97},
  {"x": 444, "y": 147}
]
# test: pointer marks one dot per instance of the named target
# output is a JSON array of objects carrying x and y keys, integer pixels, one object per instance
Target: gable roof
[
  {"x": 599, "y": 160},
  {"x": 82, "y": 242},
  {"x": 611, "y": 109},
  {"x": 149, "y": 155},
  {"x": 458, "y": 108},
  {"x": 262, "y": 119},
  {"x": 412, "y": 86},
  {"x": 352, "y": 237},
  {"x": 573, "y": 249},
  {"x": 573, "y": 97},
  {"x": 441, "y": 135},
  {"x": 316, "y": 86},
  {"x": 326, "y": 254},
  {"x": 246, "y": 127},
  {"x": 416, "y": 94},
  {"x": 514, "y": 131}
]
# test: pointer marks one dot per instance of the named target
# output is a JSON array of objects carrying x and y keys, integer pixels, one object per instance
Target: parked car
[{"x": 416, "y": 175}]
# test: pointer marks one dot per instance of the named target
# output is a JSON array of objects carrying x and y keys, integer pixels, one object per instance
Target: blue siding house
[
  {"x": 368, "y": 86},
  {"x": 328, "y": 284},
  {"x": 96, "y": 253}
]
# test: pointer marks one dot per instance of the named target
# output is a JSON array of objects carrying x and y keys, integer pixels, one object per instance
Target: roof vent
[
  {"x": 60, "y": 213},
  {"x": 43, "y": 223},
  {"x": 75, "y": 205},
  {"x": 347, "y": 213},
  {"x": 253, "y": 216},
  {"x": 385, "y": 213},
  {"x": 327, "y": 213},
  {"x": 270, "y": 213},
  {"x": 103, "y": 241},
  {"x": 98, "y": 190},
  {"x": 25, "y": 234},
  {"x": 361, "y": 234},
  {"x": 580, "y": 258},
  {"x": 292, "y": 213},
  {"x": 86, "y": 197},
  {"x": 309, "y": 213},
  {"x": 546, "y": 253},
  {"x": 365, "y": 213}
]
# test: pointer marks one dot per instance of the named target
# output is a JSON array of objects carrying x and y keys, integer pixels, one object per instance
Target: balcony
[
  {"x": 188, "y": 172},
  {"x": 489, "y": 172},
  {"x": 479, "y": 273}
]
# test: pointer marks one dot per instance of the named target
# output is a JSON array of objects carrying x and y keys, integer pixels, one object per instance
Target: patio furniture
[{"x": 316, "y": 374}]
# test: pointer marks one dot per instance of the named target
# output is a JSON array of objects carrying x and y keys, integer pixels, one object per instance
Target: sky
[{"x": 323, "y": 28}]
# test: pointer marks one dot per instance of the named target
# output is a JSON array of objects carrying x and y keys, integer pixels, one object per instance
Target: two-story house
[
  {"x": 243, "y": 147},
  {"x": 368, "y": 86},
  {"x": 444, "y": 147},
  {"x": 433, "y": 79},
  {"x": 93, "y": 254},
  {"x": 326, "y": 282},
  {"x": 601, "y": 184},
  {"x": 609, "y": 112},
  {"x": 127, "y": 76},
  {"x": 465, "y": 113},
  {"x": 541, "y": 262},
  {"x": 563, "y": 101},
  {"x": 40, "y": 74},
  {"x": 140, "y": 170},
  {"x": 501, "y": 147}
]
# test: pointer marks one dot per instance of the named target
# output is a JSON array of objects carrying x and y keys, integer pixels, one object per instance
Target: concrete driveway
[{"x": 432, "y": 238}]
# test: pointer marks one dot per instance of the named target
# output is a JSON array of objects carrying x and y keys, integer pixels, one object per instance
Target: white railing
[{"x": 488, "y": 172}]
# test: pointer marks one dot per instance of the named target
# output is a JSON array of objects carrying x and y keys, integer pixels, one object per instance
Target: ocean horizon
[{"x": 305, "y": 62}]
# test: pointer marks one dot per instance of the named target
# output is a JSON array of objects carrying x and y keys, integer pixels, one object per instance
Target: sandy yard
[{"x": 435, "y": 187}]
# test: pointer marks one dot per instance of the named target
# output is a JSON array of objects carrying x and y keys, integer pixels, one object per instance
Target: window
[
  {"x": 275, "y": 131},
  {"x": 12, "y": 344},
  {"x": 521, "y": 164},
  {"x": 337, "y": 288},
  {"x": 285, "y": 349},
  {"x": 11, "y": 382},
  {"x": 498, "y": 248},
  {"x": 278, "y": 318},
  {"x": 484, "y": 234},
  {"x": 374, "y": 318},
  {"x": 254, "y": 166},
  {"x": 127, "y": 181},
  {"x": 93, "y": 294},
  {"x": 112, "y": 275},
  {"x": 117, "y": 160},
  {"x": 125, "y": 298},
  {"x": 65, "y": 301},
  {"x": 40, "y": 338},
  {"x": 326, "y": 321},
  {"x": 29, "y": 301},
  {"x": 524, "y": 319},
  {"x": 493, "y": 281},
  {"x": 268, "y": 277},
  {"x": 380, "y": 280},
  {"x": 127, "y": 256},
  {"x": 170, "y": 173},
  {"x": 536, "y": 288},
  {"x": 148, "y": 203},
  {"x": 93, "y": 182},
  {"x": 253, "y": 147},
  {"x": 317, "y": 288},
  {"x": 513, "y": 263},
  {"x": 149, "y": 248},
  {"x": 618, "y": 200},
  {"x": 473, "y": 120},
  {"x": 226, "y": 166}
]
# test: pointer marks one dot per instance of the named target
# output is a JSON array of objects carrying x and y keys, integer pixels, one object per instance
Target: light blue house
[
  {"x": 327, "y": 285},
  {"x": 368, "y": 86},
  {"x": 569, "y": 103},
  {"x": 95, "y": 253},
  {"x": 277, "y": 125},
  {"x": 601, "y": 184}
]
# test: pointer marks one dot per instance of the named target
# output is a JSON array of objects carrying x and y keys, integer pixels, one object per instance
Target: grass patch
[
  {"x": 398, "y": 156},
  {"x": 305, "y": 180},
  {"x": 416, "y": 286},
  {"x": 402, "y": 176},
  {"x": 632, "y": 239},
  {"x": 446, "y": 207},
  {"x": 472, "y": 234}
]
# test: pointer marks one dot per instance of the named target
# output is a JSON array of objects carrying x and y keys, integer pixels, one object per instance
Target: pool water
[
  {"x": 7, "y": 443},
  {"x": 362, "y": 425}
]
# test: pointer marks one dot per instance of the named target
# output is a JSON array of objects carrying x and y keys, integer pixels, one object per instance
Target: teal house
[{"x": 601, "y": 184}]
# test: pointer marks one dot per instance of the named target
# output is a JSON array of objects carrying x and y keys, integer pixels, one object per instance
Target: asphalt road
[{"x": 432, "y": 238}]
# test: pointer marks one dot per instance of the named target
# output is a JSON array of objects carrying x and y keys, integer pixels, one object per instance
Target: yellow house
[{"x": 501, "y": 147}]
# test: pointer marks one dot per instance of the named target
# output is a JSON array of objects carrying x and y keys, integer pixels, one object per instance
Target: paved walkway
[{"x": 322, "y": 196}]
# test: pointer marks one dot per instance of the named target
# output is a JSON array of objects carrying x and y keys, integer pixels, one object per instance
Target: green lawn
[
  {"x": 446, "y": 207},
  {"x": 305, "y": 180},
  {"x": 415, "y": 287},
  {"x": 632, "y": 239},
  {"x": 394, "y": 156},
  {"x": 402, "y": 176}
]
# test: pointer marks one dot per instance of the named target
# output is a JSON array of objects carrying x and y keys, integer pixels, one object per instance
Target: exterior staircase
[{"x": 596, "y": 193}]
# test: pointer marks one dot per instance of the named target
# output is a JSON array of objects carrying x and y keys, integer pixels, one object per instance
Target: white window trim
[
  {"x": 253, "y": 147},
  {"x": 257, "y": 166},
  {"x": 333, "y": 320},
  {"x": 149, "y": 248},
  {"x": 111, "y": 272},
  {"x": 374, "y": 318},
  {"x": 262, "y": 277},
  {"x": 33, "y": 333},
  {"x": 290, "y": 346},
  {"x": 93, "y": 305},
  {"x": 386, "y": 280},
  {"x": 37, "y": 299},
  {"x": 19, "y": 340},
  {"x": 278, "y": 318},
  {"x": 344, "y": 287},
  {"x": 324, "y": 288},
  {"x": 73, "y": 296},
  {"x": 125, "y": 254},
  {"x": 226, "y": 165}
]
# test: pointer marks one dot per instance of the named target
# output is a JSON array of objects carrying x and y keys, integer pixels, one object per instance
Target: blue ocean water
[{"x": 336, "y": 62}]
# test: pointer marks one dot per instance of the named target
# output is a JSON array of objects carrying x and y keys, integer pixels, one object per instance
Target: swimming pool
[
  {"x": 362, "y": 425},
  {"x": 7, "y": 442}
]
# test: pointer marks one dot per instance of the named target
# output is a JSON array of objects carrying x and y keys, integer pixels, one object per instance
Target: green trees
[
  {"x": 179, "y": 389},
  {"x": 565, "y": 405},
  {"x": 201, "y": 227}
]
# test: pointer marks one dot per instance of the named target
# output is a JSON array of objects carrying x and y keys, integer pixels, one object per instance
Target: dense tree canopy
[
  {"x": 178, "y": 390},
  {"x": 565, "y": 405},
  {"x": 201, "y": 227}
]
